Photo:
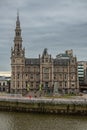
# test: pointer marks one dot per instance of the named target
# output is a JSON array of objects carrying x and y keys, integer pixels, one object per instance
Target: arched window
[
  {"x": 3, "y": 83},
  {"x": 3, "y": 89},
  {"x": 17, "y": 33}
]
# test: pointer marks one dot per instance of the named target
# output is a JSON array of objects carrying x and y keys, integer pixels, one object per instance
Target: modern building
[
  {"x": 42, "y": 72},
  {"x": 82, "y": 74}
]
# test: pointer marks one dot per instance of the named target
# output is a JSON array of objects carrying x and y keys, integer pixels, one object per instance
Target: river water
[{"x": 33, "y": 121}]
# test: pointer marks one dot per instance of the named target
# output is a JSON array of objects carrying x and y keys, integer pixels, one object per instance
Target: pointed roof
[
  {"x": 32, "y": 61},
  {"x": 45, "y": 52},
  {"x": 18, "y": 21}
]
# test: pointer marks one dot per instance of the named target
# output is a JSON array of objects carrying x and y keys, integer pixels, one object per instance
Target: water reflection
[{"x": 30, "y": 121}]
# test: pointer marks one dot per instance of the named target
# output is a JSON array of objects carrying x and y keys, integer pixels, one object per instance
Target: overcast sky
[{"x": 54, "y": 24}]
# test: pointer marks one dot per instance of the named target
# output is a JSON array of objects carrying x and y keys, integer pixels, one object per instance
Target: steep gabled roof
[
  {"x": 62, "y": 62},
  {"x": 32, "y": 61}
]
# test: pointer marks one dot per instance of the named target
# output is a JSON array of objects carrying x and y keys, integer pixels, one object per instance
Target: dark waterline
[{"x": 30, "y": 121}]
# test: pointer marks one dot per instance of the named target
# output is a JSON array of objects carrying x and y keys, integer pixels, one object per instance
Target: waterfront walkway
[
  {"x": 71, "y": 100},
  {"x": 74, "y": 105}
]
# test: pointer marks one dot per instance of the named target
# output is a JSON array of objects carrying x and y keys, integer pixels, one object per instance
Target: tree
[{"x": 28, "y": 87}]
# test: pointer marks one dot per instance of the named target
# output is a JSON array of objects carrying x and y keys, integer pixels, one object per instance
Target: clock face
[{"x": 18, "y": 60}]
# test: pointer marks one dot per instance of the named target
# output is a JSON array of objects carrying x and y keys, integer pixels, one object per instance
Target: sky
[{"x": 58, "y": 25}]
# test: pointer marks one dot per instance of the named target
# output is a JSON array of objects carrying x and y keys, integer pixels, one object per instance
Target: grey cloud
[{"x": 55, "y": 24}]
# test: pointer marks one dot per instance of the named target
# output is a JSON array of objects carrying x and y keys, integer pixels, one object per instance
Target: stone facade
[
  {"x": 42, "y": 72},
  {"x": 4, "y": 84}
]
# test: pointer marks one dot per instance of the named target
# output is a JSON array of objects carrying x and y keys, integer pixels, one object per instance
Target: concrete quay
[{"x": 44, "y": 105}]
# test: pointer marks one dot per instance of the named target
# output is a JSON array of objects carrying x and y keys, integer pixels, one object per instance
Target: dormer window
[{"x": 46, "y": 59}]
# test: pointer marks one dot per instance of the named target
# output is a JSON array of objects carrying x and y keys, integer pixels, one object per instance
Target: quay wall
[{"x": 58, "y": 106}]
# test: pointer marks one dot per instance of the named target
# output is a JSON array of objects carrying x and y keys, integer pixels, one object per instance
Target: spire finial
[
  {"x": 18, "y": 21},
  {"x": 17, "y": 14}
]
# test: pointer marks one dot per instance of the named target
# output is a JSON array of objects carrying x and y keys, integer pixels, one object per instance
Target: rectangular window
[
  {"x": 72, "y": 76},
  {"x": 65, "y": 84},
  {"x": 65, "y": 76},
  {"x": 60, "y": 84},
  {"x": 45, "y": 76},
  {"x": 46, "y": 70},
  {"x": 60, "y": 76},
  {"x": 18, "y": 84},
  {"x": 31, "y": 69},
  {"x": 65, "y": 69},
  {"x": 18, "y": 76},
  {"x": 36, "y": 69},
  {"x": 72, "y": 84},
  {"x": 55, "y": 76},
  {"x": 46, "y": 60},
  {"x": 60, "y": 69},
  {"x": 31, "y": 76},
  {"x": 26, "y": 83},
  {"x": 37, "y": 76},
  {"x": 37, "y": 84},
  {"x": 31, "y": 84}
]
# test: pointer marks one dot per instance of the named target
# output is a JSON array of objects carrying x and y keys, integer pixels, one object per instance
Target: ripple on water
[{"x": 30, "y": 121}]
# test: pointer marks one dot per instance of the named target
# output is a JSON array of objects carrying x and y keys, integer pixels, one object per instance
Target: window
[
  {"x": 46, "y": 60},
  {"x": 18, "y": 68},
  {"x": 18, "y": 84},
  {"x": 46, "y": 84},
  {"x": 60, "y": 69},
  {"x": 54, "y": 76},
  {"x": 37, "y": 84},
  {"x": 60, "y": 84},
  {"x": 72, "y": 84},
  {"x": 3, "y": 83},
  {"x": 31, "y": 69},
  {"x": 37, "y": 76},
  {"x": 31, "y": 76},
  {"x": 46, "y": 70},
  {"x": 36, "y": 69},
  {"x": 3, "y": 89},
  {"x": 55, "y": 70},
  {"x": 17, "y": 33},
  {"x": 60, "y": 76},
  {"x": 18, "y": 76},
  {"x": 65, "y": 84},
  {"x": 65, "y": 69},
  {"x": 73, "y": 69},
  {"x": 31, "y": 84},
  {"x": 73, "y": 77},
  {"x": 46, "y": 76},
  {"x": 26, "y": 83},
  {"x": 65, "y": 76}
]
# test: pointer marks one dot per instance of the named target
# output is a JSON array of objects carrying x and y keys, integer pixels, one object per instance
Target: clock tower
[{"x": 17, "y": 61}]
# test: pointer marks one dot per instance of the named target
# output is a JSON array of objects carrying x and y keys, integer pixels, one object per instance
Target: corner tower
[{"x": 17, "y": 61}]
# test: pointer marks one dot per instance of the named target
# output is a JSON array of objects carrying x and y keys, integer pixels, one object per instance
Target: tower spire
[
  {"x": 18, "y": 21},
  {"x": 17, "y": 15},
  {"x": 18, "y": 39}
]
